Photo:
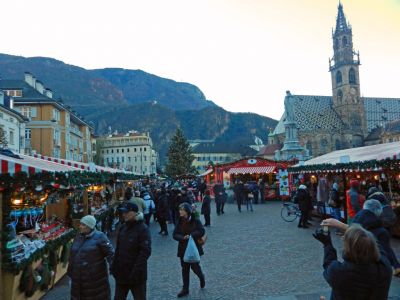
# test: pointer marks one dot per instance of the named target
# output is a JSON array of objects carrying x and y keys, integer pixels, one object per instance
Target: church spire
[{"x": 341, "y": 22}]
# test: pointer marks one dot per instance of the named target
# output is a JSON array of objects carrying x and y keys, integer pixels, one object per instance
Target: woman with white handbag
[{"x": 188, "y": 232}]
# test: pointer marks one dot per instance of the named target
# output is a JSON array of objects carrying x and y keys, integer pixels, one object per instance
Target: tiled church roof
[{"x": 315, "y": 113}]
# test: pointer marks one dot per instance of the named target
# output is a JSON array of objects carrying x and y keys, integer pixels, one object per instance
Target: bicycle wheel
[{"x": 288, "y": 213}]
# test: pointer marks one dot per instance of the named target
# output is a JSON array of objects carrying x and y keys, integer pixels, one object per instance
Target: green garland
[
  {"x": 369, "y": 165},
  {"x": 54, "y": 245},
  {"x": 67, "y": 179}
]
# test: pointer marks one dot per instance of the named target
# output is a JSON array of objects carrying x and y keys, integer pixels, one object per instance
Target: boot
[
  {"x": 202, "y": 282},
  {"x": 183, "y": 293}
]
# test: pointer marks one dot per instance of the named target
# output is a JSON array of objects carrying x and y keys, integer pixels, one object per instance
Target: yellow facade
[{"x": 55, "y": 132}]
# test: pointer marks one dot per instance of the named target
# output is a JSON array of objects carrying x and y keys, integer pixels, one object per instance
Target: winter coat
[
  {"x": 162, "y": 207},
  {"x": 88, "y": 268},
  {"x": 139, "y": 202},
  {"x": 354, "y": 202},
  {"x": 219, "y": 192},
  {"x": 133, "y": 248},
  {"x": 388, "y": 216},
  {"x": 192, "y": 227},
  {"x": 350, "y": 281},
  {"x": 206, "y": 205},
  {"x": 372, "y": 223},
  {"x": 303, "y": 199}
]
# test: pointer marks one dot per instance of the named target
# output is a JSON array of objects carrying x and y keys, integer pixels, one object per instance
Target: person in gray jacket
[{"x": 88, "y": 268}]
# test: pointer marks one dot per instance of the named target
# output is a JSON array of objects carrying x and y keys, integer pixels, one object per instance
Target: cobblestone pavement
[{"x": 247, "y": 256}]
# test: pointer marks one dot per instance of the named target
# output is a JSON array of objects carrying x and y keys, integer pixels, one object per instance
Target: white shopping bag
[{"x": 191, "y": 253}]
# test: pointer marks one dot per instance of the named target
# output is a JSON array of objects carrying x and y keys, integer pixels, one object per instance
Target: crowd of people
[
  {"x": 367, "y": 269},
  {"x": 93, "y": 257}
]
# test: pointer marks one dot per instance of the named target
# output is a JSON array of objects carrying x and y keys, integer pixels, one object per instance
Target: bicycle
[{"x": 290, "y": 211}]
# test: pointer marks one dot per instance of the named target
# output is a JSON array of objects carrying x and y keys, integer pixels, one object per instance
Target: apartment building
[
  {"x": 132, "y": 152},
  {"x": 53, "y": 129},
  {"x": 12, "y": 126}
]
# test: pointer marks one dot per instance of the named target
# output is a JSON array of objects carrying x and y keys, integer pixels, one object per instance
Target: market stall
[
  {"x": 41, "y": 201},
  {"x": 252, "y": 171},
  {"x": 376, "y": 165}
]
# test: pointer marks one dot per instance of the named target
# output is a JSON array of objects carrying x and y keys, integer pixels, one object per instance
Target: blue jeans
[{"x": 249, "y": 202}]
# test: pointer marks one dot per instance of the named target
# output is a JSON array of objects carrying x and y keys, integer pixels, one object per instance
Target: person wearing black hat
[
  {"x": 133, "y": 248},
  {"x": 188, "y": 225}
]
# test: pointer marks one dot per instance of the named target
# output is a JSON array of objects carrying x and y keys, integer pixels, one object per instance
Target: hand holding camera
[{"x": 323, "y": 236}]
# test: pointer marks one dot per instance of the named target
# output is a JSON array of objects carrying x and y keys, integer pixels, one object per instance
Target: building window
[
  {"x": 122, "y": 159},
  {"x": 134, "y": 149},
  {"x": 117, "y": 150},
  {"x": 338, "y": 78},
  {"x": 352, "y": 76},
  {"x": 127, "y": 150},
  {"x": 56, "y": 114},
  {"x": 145, "y": 158},
  {"x": 309, "y": 148},
  {"x": 14, "y": 93},
  {"x": 324, "y": 145},
  {"x": 345, "y": 41},
  {"x": 122, "y": 150},
  {"x": 11, "y": 137},
  {"x": 129, "y": 159},
  {"x": 135, "y": 159},
  {"x": 144, "y": 149},
  {"x": 340, "y": 96},
  {"x": 28, "y": 134},
  {"x": 112, "y": 150}
]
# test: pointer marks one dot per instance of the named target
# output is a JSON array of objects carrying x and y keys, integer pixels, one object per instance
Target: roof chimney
[
  {"x": 39, "y": 87},
  {"x": 48, "y": 93},
  {"x": 29, "y": 79}
]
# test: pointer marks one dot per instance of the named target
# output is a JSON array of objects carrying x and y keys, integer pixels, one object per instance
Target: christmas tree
[{"x": 180, "y": 156}]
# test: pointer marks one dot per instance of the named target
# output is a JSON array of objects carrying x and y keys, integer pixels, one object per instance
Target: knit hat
[
  {"x": 146, "y": 197},
  {"x": 186, "y": 207},
  {"x": 354, "y": 183},
  {"x": 302, "y": 187},
  {"x": 137, "y": 193},
  {"x": 89, "y": 221},
  {"x": 335, "y": 186}
]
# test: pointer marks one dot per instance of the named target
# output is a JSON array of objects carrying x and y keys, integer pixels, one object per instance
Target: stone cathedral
[{"x": 344, "y": 120}]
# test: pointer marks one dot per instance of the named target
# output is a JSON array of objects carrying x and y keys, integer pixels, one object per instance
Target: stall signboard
[{"x": 283, "y": 182}]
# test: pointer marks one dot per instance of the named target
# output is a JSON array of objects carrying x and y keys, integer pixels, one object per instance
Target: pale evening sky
[{"x": 243, "y": 54}]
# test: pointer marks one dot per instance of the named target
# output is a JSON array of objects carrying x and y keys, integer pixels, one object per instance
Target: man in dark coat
[
  {"x": 87, "y": 266},
  {"x": 304, "y": 200},
  {"x": 188, "y": 226},
  {"x": 219, "y": 193},
  {"x": 133, "y": 248},
  {"x": 239, "y": 194},
  {"x": 206, "y": 208},
  {"x": 162, "y": 212}
]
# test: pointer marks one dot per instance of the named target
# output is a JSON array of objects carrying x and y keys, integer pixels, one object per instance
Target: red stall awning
[{"x": 252, "y": 170}]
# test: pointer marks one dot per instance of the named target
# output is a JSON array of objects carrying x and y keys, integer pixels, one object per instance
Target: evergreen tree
[{"x": 180, "y": 156}]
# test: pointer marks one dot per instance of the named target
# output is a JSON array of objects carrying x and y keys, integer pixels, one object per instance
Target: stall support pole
[{"x": 344, "y": 199}]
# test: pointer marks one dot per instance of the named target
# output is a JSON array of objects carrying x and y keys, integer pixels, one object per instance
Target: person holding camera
[
  {"x": 133, "y": 249},
  {"x": 365, "y": 272}
]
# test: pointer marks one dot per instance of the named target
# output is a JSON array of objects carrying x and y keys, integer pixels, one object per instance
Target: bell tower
[{"x": 344, "y": 68}]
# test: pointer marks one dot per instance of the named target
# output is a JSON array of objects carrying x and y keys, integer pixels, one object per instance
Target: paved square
[{"x": 247, "y": 256}]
